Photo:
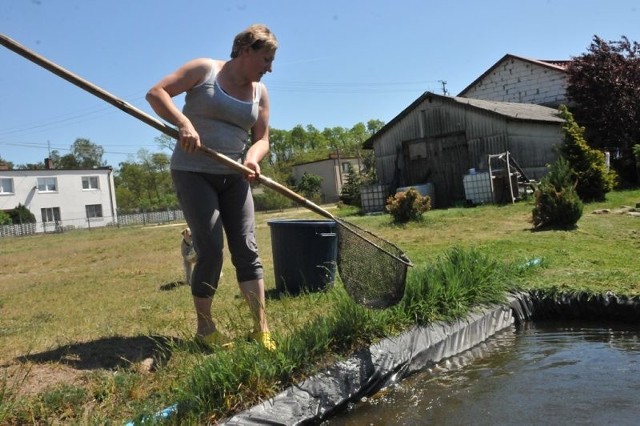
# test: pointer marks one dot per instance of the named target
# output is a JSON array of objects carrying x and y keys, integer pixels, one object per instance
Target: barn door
[
  {"x": 453, "y": 164},
  {"x": 441, "y": 160},
  {"x": 416, "y": 159}
]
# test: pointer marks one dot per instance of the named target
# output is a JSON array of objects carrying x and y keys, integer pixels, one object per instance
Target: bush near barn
[{"x": 408, "y": 205}]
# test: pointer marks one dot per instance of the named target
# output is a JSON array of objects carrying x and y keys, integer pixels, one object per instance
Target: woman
[{"x": 224, "y": 103}]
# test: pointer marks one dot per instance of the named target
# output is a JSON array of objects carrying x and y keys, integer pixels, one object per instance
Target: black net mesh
[{"x": 372, "y": 269}]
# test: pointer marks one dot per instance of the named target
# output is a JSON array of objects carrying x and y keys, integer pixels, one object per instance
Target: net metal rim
[
  {"x": 400, "y": 257},
  {"x": 379, "y": 284}
]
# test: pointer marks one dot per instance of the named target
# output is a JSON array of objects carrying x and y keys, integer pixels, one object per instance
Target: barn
[{"x": 438, "y": 140}]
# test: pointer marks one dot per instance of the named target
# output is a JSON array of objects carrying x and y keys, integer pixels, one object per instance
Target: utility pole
[{"x": 444, "y": 87}]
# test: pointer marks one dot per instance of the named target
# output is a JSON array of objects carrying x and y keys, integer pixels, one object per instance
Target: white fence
[
  {"x": 17, "y": 230},
  {"x": 145, "y": 218},
  {"x": 150, "y": 217}
]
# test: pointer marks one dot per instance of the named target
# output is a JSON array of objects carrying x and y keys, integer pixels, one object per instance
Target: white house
[
  {"x": 333, "y": 172},
  {"x": 61, "y": 198}
]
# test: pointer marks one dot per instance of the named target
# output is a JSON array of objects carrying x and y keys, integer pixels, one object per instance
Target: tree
[
  {"x": 30, "y": 166},
  {"x": 373, "y": 126},
  {"x": 350, "y": 193},
  {"x": 310, "y": 185},
  {"x": 145, "y": 184},
  {"x": 67, "y": 161},
  {"x": 21, "y": 214},
  {"x": 165, "y": 141},
  {"x": 281, "y": 149},
  {"x": 593, "y": 180},
  {"x": 604, "y": 89},
  {"x": 87, "y": 154},
  {"x": 6, "y": 163},
  {"x": 315, "y": 139},
  {"x": 338, "y": 139},
  {"x": 557, "y": 205},
  {"x": 83, "y": 154},
  {"x": 368, "y": 172},
  {"x": 360, "y": 134}
]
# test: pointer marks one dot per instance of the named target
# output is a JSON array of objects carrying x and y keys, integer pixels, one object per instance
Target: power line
[
  {"x": 59, "y": 121},
  {"x": 348, "y": 88}
]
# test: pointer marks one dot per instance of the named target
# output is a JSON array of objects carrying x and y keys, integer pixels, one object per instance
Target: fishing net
[{"x": 372, "y": 269}]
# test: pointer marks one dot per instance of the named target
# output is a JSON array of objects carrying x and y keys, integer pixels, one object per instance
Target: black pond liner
[{"x": 392, "y": 359}]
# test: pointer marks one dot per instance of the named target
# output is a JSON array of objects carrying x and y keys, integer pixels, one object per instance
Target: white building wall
[
  {"x": 520, "y": 81},
  {"x": 69, "y": 196},
  {"x": 332, "y": 174}
]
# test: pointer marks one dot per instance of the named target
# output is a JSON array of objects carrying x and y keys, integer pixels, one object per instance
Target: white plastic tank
[
  {"x": 423, "y": 189},
  {"x": 477, "y": 188}
]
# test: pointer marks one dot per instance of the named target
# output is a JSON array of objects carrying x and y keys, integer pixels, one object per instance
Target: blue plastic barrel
[{"x": 304, "y": 254}]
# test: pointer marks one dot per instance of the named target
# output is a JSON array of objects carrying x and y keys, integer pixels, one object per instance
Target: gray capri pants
[{"x": 210, "y": 203}]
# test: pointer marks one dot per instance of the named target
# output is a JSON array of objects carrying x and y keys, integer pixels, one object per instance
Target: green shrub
[
  {"x": 557, "y": 204},
  {"x": 5, "y": 218},
  {"x": 270, "y": 201},
  {"x": 594, "y": 181},
  {"x": 350, "y": 193},
  {"x": 21, "y": 215},
  {"x": 310, "y": 186},
  {"x": 408, "y": 205}
]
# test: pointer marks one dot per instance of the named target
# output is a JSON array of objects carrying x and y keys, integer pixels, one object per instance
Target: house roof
[
  {"x": 53, "y": 171},
  {"x": 510, "y": 110},
  {"x": 514, "y": 110},
  {"x": 558, "y": 65},
  {"x": 331, "y": 157}
]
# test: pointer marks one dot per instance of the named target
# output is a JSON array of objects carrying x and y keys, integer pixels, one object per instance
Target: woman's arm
[
  {"x": 259, "y": 136},
  {"x": 161, "y": 94}
]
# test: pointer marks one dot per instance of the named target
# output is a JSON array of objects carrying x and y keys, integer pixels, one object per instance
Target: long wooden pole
[{"x": 153, "y": 122}]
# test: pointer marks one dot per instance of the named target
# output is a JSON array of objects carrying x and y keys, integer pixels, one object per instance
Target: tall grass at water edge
[{"x": 452, "y": 287}]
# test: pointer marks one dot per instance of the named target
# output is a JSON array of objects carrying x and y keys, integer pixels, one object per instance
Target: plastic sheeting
[
  {"x": 392, "y": 359},
  {"x": 370, "y": 370},
  {"x": 540, "y": 305}
]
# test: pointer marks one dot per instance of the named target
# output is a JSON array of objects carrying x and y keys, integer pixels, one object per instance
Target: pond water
[{"x": 539, "y": 374}]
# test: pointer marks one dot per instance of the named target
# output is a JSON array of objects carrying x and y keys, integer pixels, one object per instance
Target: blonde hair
[{"x": 256, "y": 36}]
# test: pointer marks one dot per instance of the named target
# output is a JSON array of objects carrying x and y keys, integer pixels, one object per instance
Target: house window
[
  {"x": 94, "y": 211},
  {"x": 47, "y": 184},
  {"x": 345, "y": 167},
  {"x": 6, "y": 186},
  {"x": 50, "y": 214},
  {"x": 90, "y": 182}
]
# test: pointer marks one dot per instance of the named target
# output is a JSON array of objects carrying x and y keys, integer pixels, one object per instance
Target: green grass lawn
[{"x": 83, "y": 313}]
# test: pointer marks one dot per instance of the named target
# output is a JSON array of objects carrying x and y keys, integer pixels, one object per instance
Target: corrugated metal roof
[
  {"x": 560, "y": 63},
  {"x": 514, "y": 110},
  {"x": 511, "y": 110}
]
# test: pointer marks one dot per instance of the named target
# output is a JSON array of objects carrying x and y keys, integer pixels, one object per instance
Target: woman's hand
[
  {"x": 189, "y": 138},
  {"x": 253, "y": 165}
]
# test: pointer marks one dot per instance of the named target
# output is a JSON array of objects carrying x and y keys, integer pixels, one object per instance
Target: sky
[{"x": 339, "y": 62}]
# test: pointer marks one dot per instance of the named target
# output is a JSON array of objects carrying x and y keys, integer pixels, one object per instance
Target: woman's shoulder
[
  {"x": 217, "y": 64},
  {"x": 204, "y": 68},
  {"x": 205, "y": 64}
]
